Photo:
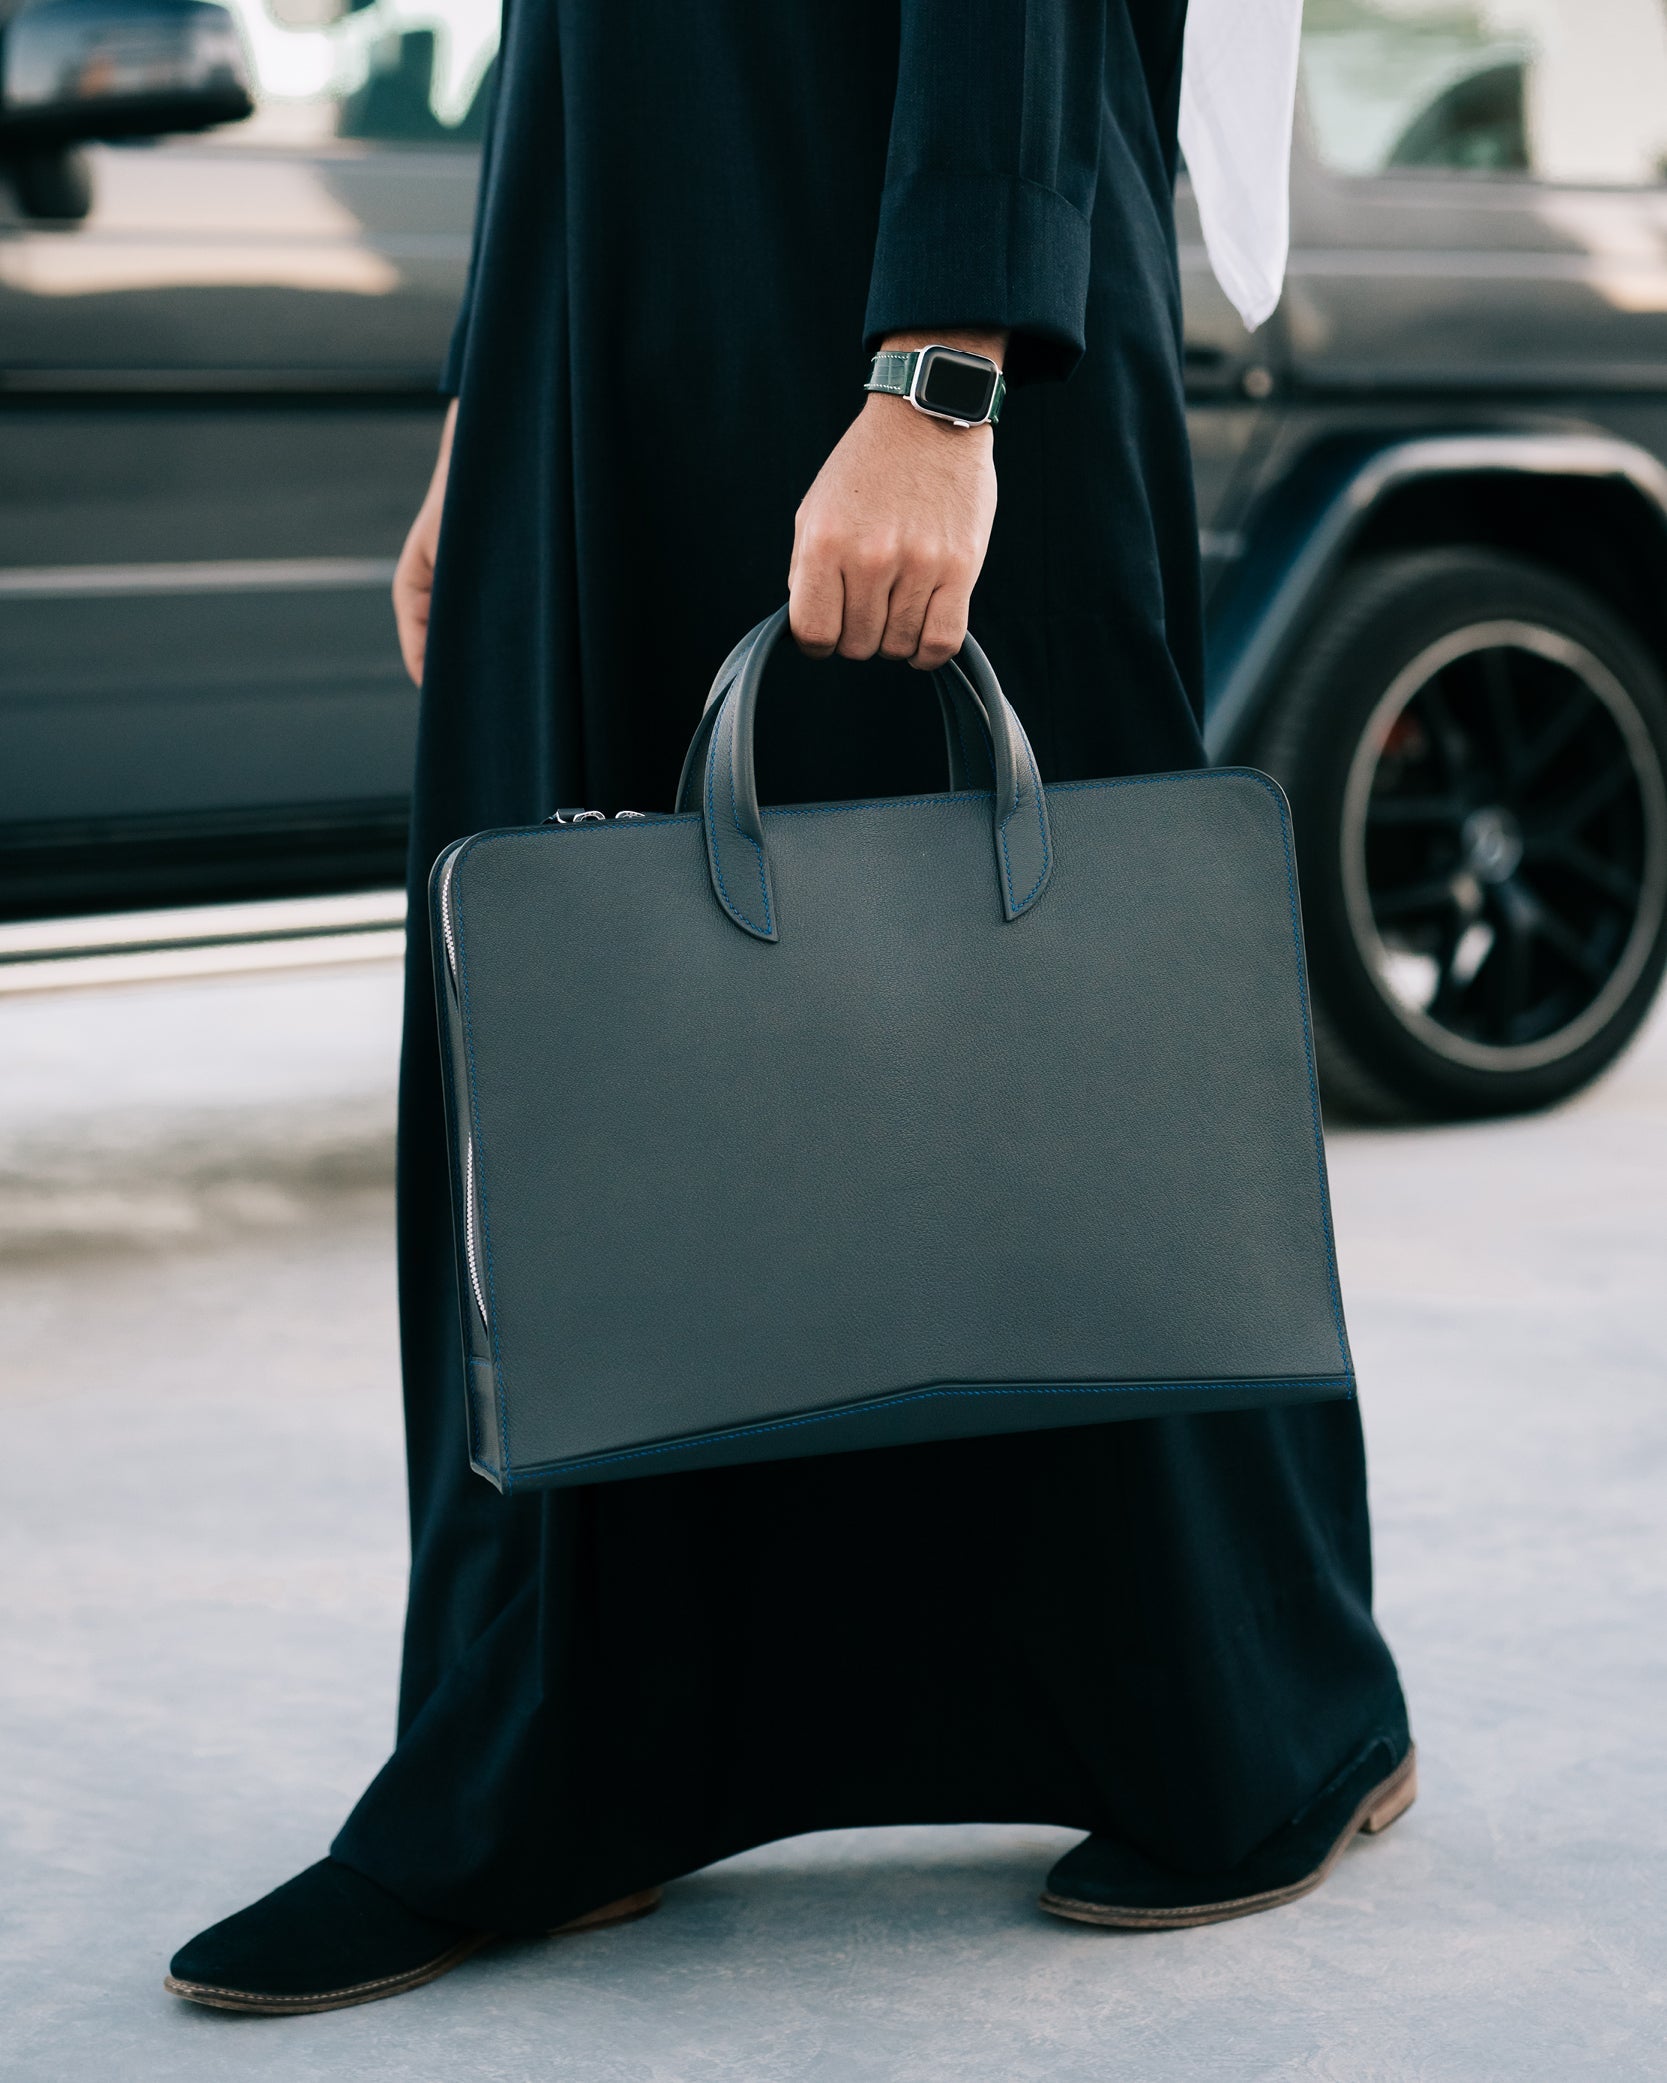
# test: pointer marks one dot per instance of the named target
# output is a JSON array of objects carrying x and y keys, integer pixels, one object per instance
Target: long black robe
[{"x": 694, "y": 220}]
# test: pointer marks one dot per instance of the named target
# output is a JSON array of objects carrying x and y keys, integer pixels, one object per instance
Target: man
[{"x": 698, "y": 226}]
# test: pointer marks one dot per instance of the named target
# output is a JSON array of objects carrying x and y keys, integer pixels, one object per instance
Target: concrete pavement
[{"x": 201, "y": 1555}]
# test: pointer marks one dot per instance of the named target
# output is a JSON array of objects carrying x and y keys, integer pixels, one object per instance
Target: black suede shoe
[
  {"x": 330, "y": 1938},
  {"x": 1101, "y": 1881}
]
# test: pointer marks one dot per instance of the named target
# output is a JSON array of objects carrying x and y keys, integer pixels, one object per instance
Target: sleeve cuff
[{"x": 983, "y": 250}]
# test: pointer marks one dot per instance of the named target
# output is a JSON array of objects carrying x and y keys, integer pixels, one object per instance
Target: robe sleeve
[
  {"x": 990, "y": 176},
  {"x": 451, "y": 371}
]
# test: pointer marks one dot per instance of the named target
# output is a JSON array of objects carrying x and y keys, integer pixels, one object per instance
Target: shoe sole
[
  {"x": 624, "y": 1911},
  {"x": 1385, "y": 1804}
]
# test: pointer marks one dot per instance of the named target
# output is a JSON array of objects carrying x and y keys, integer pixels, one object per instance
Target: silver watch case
[{"x": 922, "y": 363}]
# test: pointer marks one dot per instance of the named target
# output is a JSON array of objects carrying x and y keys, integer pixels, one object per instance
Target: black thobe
[{"x": 695, "y": 221}]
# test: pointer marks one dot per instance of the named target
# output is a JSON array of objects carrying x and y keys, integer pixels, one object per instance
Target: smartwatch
[{"x": 946, "y": 382}]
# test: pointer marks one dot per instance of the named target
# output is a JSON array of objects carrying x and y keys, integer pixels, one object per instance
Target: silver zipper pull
[{"x": 594, "y": 817}]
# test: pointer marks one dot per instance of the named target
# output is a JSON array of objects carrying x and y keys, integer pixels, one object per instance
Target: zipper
[
  {"x": 448, "y": 935},
  {"x": 564, "y": 817},
  {"x": 595, "y": 817},
  {"x": 448, "y": 930},
  {"x": 470, "y": 1255}
]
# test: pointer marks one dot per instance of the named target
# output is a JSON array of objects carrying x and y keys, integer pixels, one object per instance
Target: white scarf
[{"x": 1238, "y": 91}]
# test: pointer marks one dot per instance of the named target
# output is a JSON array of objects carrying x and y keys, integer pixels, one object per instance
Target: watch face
[{"x": 958, "y": 385}]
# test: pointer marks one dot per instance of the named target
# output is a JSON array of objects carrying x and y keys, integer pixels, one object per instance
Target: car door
[
  {"x": 1229, "y": 371},
  {"x": 1480, "y": 207},
  {"x": 217, "y": 414}
]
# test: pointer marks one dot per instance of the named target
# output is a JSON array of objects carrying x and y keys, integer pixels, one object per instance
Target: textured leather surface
[
  {"x": 915, "y": 1169},
  {"x": 892, "y": 371},
  {"x": 738, "y": 854}
]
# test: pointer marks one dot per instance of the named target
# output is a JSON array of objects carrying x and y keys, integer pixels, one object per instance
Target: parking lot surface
[{"x": 202, "y": 1551}]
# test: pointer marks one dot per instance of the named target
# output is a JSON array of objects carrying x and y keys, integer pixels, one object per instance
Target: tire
[{"x": 1475, "y": 750}]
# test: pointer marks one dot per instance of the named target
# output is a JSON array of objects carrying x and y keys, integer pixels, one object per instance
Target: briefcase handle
[
  {"x": 719, "y": 779},
  {"x": 965, "y": 727}
]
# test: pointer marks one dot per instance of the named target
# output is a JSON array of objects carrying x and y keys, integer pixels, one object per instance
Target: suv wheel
[{"x": 1474, "y": 749}]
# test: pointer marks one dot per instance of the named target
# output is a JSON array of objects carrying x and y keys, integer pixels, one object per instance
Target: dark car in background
[{"x": 1432, "y": 492}]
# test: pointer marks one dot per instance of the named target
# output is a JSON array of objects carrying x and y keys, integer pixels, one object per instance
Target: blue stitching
[
  {"x": 936, "y": 802},
  {"x": 506, "y": 1465},
  {"x": 1041, "y": 817},
  {"x": 730, "y": 905},
  {"x": 940, "y": 800},
  {"x": 711, "y": 817},
  {"x": 1019, "y": 903},
  {"x": 1344, "y": 1383},
  {"x": 763, "y": 883},
  {"x": 1077, "y": 788}
]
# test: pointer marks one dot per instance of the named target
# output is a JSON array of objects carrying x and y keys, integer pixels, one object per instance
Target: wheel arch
[{"x": 1592, "y": 506}]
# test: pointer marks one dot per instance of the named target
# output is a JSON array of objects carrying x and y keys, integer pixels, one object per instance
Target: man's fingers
[
  {"x": 863, "y": 596},
  {"x": 414, "y": 587},
  {"x": 412, "y": 592},
  {"x": 868, "y": 570},
  {"x": 416, "y": 646},
  {"x": 906, "y": 614},
  {"x": 857, "y": 612},
  {"x": 815, "y": 602},
  {"x": 944, "y": 629}
]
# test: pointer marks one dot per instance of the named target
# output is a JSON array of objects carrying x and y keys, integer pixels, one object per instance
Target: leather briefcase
[{"x": 792, "y": 1131}]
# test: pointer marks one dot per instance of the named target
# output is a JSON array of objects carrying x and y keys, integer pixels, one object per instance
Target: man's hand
[
  {"x": 890, "y": 539},
  {"x": 414, "y": 573}
]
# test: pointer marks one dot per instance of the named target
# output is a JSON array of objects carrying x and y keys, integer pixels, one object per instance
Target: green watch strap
[
  {"x": 893, "y": 374},
  {"x": 893, "y": 371}
]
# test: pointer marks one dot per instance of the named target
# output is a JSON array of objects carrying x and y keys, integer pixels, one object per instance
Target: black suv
[{"x": 1432, "y": 490}]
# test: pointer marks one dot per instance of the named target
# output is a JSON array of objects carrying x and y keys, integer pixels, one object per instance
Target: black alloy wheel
[{"x": 1475, "y": 751}]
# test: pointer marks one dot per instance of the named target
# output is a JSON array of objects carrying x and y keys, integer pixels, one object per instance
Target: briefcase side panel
[{"x": 480, "y": 1376}]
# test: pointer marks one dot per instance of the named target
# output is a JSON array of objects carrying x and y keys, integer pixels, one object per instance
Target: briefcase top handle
[{"x": 720, "y": 782}]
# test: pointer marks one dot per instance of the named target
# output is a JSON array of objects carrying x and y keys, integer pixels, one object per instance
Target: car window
[
  {"x": 1570, "y": 91},
  {"x": 405, "y": 71}
]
